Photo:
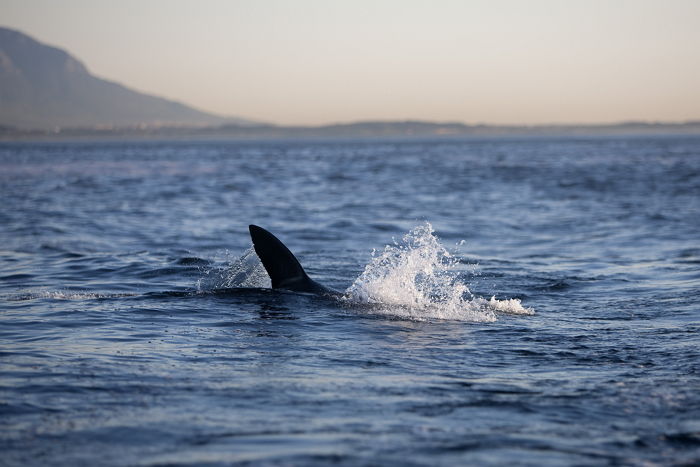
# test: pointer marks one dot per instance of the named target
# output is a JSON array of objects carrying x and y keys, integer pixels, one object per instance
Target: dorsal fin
[{"x": 281, "y": 265}]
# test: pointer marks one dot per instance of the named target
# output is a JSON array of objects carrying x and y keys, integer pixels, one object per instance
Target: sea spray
[
  {"x": 247, "y": 271},
  {"x": 511, "y": 306},
  {"x": 417, "y": 278}
]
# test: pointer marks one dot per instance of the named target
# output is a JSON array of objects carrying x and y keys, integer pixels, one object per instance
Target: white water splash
[
  {"x": 246, "y": 271},
  {"x": 417, "y": 279},
  {"x": 511, "y": 306}
]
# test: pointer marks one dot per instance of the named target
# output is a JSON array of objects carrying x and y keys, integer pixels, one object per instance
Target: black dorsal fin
[{"x": 281, "y": 265}]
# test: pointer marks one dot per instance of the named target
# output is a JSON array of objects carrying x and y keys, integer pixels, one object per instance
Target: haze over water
[{"x": 133, "y": 332}]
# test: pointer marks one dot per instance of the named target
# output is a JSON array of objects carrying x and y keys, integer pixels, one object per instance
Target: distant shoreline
[{"x": 361, "y": 130}]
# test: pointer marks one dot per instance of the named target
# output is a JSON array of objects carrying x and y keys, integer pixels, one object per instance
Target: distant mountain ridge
[
  {"x": 43, "y": 87},
  {"x": 357, "y": 130}
]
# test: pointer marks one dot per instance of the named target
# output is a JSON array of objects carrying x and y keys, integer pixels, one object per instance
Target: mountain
[
  {"x": 42, "y": 87},
  {"x": 358, "y": 130}
]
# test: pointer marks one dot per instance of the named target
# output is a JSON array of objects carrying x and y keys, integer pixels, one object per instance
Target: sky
[{"x": 310, "y": 62}]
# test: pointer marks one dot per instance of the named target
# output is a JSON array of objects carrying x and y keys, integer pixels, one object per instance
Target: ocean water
[{"x": 529, "y": 302}]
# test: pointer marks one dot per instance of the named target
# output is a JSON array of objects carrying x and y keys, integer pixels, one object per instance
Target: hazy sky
[{"x": 321, "y": 61}]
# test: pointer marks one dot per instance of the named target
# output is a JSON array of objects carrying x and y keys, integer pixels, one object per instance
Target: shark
[{"x": 284, "y": 269}]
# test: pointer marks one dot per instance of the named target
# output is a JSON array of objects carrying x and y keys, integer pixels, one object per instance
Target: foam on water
[{"x": 417, "y": 278}]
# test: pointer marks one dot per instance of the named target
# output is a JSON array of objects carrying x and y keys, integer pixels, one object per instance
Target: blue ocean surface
[{"x": 506, "y": 301}]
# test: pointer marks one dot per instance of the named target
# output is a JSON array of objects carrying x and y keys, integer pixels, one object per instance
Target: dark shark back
[{"x": 281, "y": 265}]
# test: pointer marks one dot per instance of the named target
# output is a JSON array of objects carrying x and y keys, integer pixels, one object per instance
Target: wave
[{"x": 65, "y": 295}]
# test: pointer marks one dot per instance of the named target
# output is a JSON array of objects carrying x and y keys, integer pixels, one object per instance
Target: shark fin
[{"x": 281, "y": 265}]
